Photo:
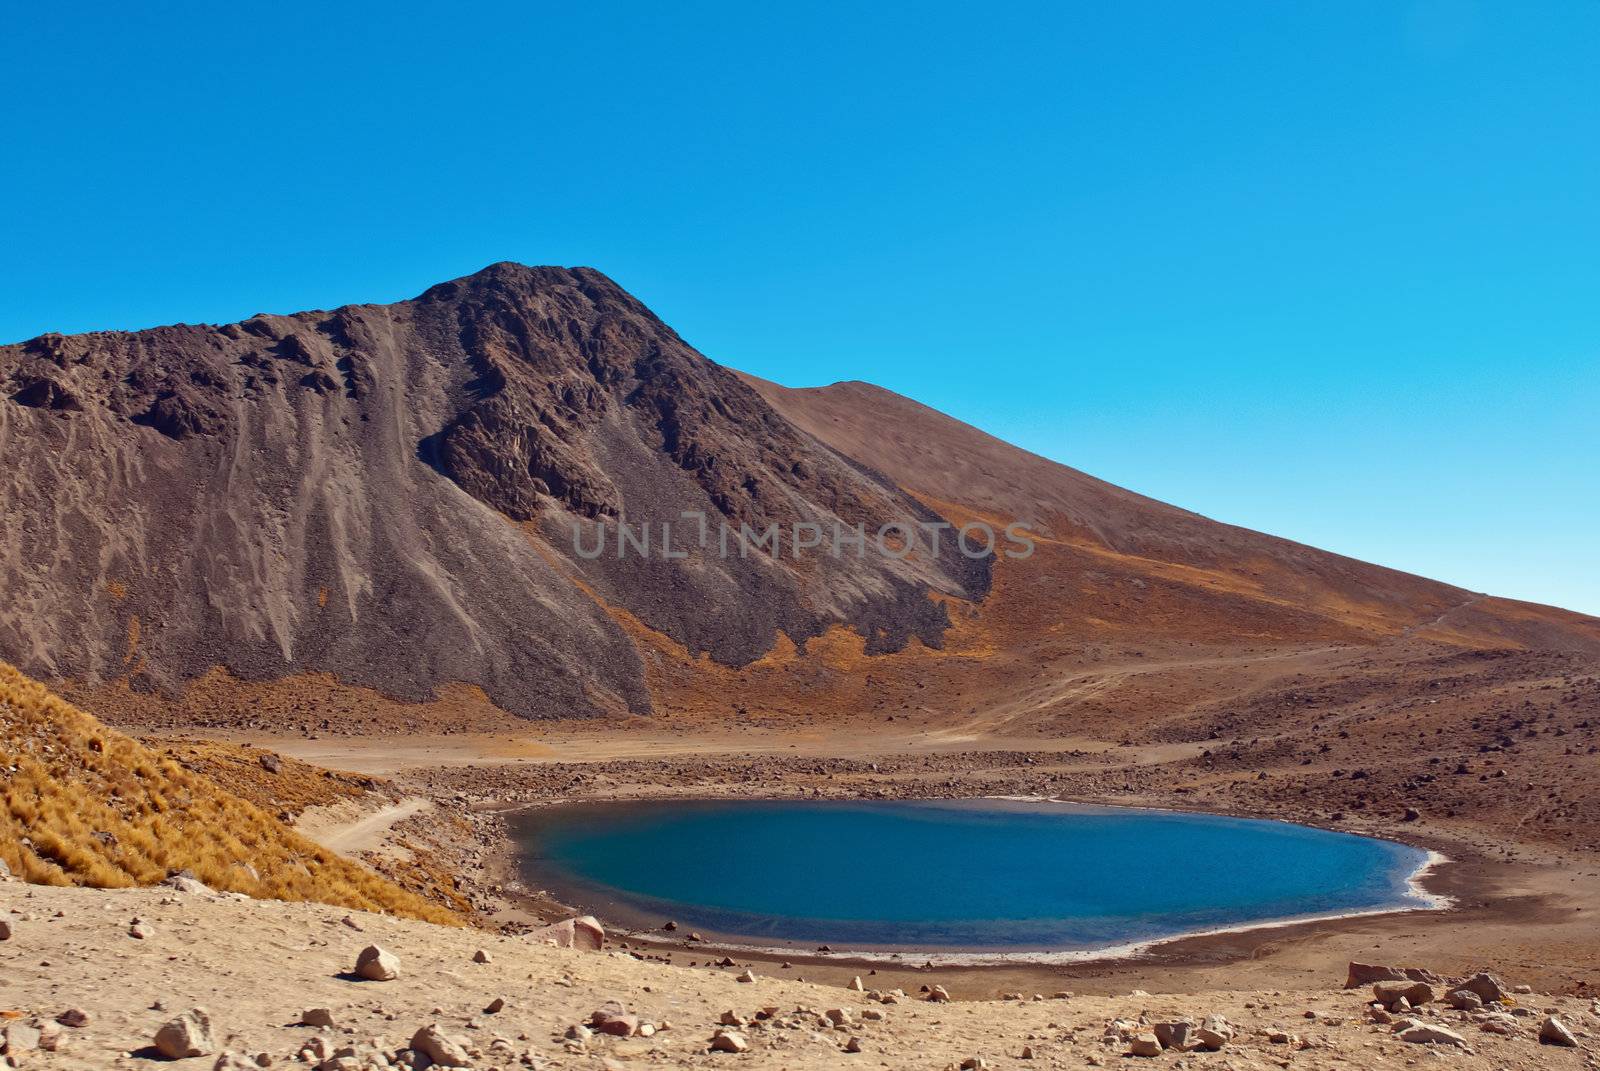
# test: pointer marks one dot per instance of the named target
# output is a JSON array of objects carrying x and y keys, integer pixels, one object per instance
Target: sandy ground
[{"x": 254, "y": 966}]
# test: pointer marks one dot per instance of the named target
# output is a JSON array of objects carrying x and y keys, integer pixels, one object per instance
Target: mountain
[{"x": 409, "y": 498}]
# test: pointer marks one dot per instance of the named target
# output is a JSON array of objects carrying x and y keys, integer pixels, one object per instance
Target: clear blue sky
[{"x": 1327, "y": 270}]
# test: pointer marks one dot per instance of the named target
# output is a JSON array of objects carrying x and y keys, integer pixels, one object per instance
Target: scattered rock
[
  {"x": 1144, "y": 1045},
  {"x": 1214, "y": 1033},
  {"x": 1430, "y": 1033},
  {"x": 1463, "y": 1000},
  {"x": 583, "y": 932},
  {"x": 377, "y": 965},
  {"x": 19, "y": 1038},
  {"x": 439, "y": 1047},
  {"x": 1554, "y": 1032},
  {"x": 1175, "y": 1034},
  {"x": 1360, "y": 974},
  {"x": 74, "y": 1017},
  {"x": 1488, "y": 988},
  {"x": 1390, "y": 994},
  {"x": 186, "y": 1036},
  {"x": 321, "y": 1017},
  {"x": 729, "y": 1041}
]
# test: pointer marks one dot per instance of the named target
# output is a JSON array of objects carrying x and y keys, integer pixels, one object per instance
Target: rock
[
  {"x": 20, "y": 1038},
  {"x": 622, "y": 1026},
  {"x": 352, "y": 922},
  {"x": 1360, "y": 974},
  {"x": 1429, "y": 1033},
  {"x": 1390, "y": 994},
  {"x": 234, "y": 1061},
  {"x": 1554, "y": 1032},
  {"x": 1488, "y": 988},
  {"x": 317, "y": 1017},
  {"x": 439, "y": 1047},
  {"x": 1026, "y": 1053},
  {"x": 1144, "y": 1045},
  {"x": 747, "y": 976},
  {"x": 974, "y": 1063},
  {"x": 74, "y": 1017},
  {"x": 1211, "y": 1039},
  {"x": 189, "y": 885},
  {"x": 5, "y": 871},
  {"x": 1175, "y": 1034},
  {"x": 855, "y": 983},
  {"x": 1463, "y": 1000},
  {"x": 731, "y": 1018},
  {"x": 1504, "y": 1025},
  {"x": 1522, "y": 990},
  {"x": 583, "y": 932},
  {"x": 139, "y": 931},
  {"x": 270, "y": 762},
  {"x": 495, "y": 1006},
  {"x": 729, "y": 1041},
  {"x": 853, "y": 1045},
  {"x": 938, "y": 994},
  {"x": 187, "y": 1035},
  {"x": 837, "y": 1016},
  {"x": 5, "y": 930},
  {"x": 376, "y": 965},
  {"x": 480, "y": 956}
]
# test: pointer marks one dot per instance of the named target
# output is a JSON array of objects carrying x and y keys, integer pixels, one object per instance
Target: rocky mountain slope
[
  {"x": 389, "y": 494},
  {"x": 407, "y": 500}
]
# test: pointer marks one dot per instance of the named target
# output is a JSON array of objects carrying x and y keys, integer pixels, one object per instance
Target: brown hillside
[{"x": 86, "y": 805}]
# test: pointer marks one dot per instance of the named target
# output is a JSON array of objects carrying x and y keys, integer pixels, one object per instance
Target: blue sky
[{"x": 1330, "y": 271}]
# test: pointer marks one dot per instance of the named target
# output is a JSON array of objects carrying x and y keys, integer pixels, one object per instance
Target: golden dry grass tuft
[{"x": 82, "y": 804}]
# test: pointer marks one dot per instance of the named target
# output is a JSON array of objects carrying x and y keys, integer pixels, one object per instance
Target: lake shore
[{"x": 1517, "y": 901}]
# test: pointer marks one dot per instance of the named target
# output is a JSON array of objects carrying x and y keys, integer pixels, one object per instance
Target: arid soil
[{"x": 257, "y": 968}]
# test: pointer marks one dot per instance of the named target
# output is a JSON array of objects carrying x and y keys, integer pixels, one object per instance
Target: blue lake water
[{"x": 978, "y": 874}]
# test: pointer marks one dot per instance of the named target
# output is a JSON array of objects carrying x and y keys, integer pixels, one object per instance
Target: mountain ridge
[{"x": 396, "y": 494}]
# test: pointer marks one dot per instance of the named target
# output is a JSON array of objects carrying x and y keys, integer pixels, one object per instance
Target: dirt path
[{"x": 345, "y": 829}]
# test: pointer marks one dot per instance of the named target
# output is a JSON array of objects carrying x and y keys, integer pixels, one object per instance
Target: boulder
[
  {"x": 1144, "y": 1045},
  {"x": 436, "y": 1045},
  {"x": 189, "y": 885},
  {"x": 1486, "y": 986},
  {"x": 1211, "y": 1039},
  {"x": 1360, "y": 974},
  {"x": 187, "y": 1035},
  {"x": 583, "y": 932},
  {"x": 1390, "y": 994},
  {"x": 1430, "y": 1033},
  {"x": 19, "y": 1038},
  {"x": 729, "y": 1041},
  {"x": 1554, "y": 1032},
  {"x": 1175, "y": 1034},
  {"x": 377, "y": 965}
]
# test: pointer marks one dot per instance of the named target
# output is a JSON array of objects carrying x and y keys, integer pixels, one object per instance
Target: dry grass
[{"x": 82, "y": 804}]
